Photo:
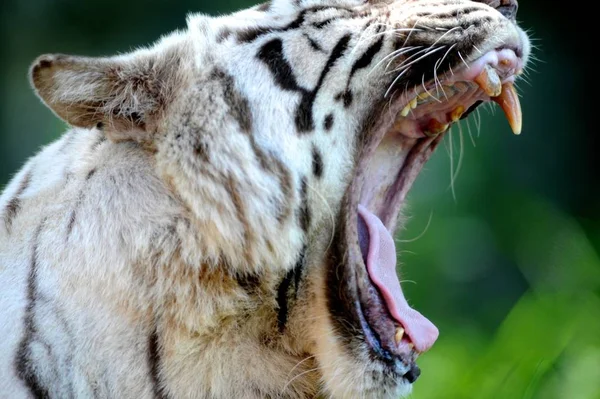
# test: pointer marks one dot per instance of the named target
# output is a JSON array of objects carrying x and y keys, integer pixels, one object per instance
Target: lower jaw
[
  {"x": 349, "y": 286},
  {"x": 376, "y": 322}
]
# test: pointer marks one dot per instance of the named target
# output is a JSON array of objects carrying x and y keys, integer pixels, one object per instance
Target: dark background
[{"x": 507, "y": 266}]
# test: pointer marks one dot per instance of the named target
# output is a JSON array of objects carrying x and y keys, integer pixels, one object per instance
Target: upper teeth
[
  {"x": 411, "y": 105},
  {"x": 457, "y": 113},
  {"x": 490, "y": 82},
  {"x": 437, "y": 96}
]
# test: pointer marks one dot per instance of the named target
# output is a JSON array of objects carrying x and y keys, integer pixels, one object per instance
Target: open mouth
[{"x": 398, "y": 146}]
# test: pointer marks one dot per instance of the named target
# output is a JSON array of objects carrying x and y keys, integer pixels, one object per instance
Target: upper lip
[{"x": 506, "y": 65}]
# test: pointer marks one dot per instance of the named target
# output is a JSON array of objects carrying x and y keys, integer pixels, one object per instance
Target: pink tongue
[{"x": 381, "y": 265}]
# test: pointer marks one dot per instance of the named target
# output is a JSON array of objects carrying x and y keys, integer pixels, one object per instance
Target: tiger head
[{"x": 292, "y": 133}]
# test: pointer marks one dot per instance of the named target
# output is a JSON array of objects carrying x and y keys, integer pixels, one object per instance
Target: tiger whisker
[
  {"x": 478, "y": 122},
  {"x": 300, "y": 362},
  {"x": 428, "y": 92},
  {"x": 407, "y": 68},
  {"x": 420, "y": 235},
  {"x": 391, "y": 55},
  {"x": 463, "y": 60},
  {"x": 470, "y": 132},
  {"x": 449, "y": 144}
]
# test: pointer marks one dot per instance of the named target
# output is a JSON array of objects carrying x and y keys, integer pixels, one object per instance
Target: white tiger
[{"x": 218, "y": 222}]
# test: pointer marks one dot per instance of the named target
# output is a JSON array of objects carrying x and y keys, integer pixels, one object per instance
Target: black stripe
[
  {"x": 317, "y": 162},
  {"x": 201, "y": 149},
  {"x": 324, "y": 23},
  {"x": 250, "y": 282},
  {"x": 90, "y": 174},
  {"x": 239, "y": 106},
  {"x": 286, "y": 292},
  {"x": 337, "y": 53},
  {"x": 304, "y": 211},
  {"x": 346, "y": 97},
  {"x": 282, "y": 299},
  {"x": 154, "y": 363},
  {"x": 250, "y": 35},
  {"x": 285, "y": 182},
  {"x": 304, "y": 116},
  {"x": 366, "y": 59},
  {"x": 328, "y": 124},
  {"x": 23, "y": 363},
  {"x": 313, "y": 43},
  {"x": 14, "y": 205},
  {"x": 272, "y": 55},
  {"x": 81, "y": 196}
]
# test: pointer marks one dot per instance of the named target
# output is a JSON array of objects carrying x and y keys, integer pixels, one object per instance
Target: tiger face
[{"x": 289, "y": 135}]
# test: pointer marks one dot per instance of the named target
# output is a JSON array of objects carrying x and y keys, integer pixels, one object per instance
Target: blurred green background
[{"x": 506, "y": 262}]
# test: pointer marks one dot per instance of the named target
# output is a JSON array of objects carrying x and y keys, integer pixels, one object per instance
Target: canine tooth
[
  {"x": 413, "y": 103},
  {"x": 489, "y": 81},
  {"x": 405, "y": 111},
  {"x": 399, "y": 335},
  {"x": 435, "y": 127},
  {"x": 457, "y": 113},
  {"x": 510, "y": 104},
  {"x": 424, "y": 96}
]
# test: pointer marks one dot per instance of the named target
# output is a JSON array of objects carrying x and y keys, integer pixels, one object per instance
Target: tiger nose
[
  {"x": 412, "y": 374},
  {"x": 508, "y": 8}
]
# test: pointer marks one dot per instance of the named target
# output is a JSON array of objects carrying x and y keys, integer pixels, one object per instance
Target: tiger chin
[{"x": 218, "y": 221}]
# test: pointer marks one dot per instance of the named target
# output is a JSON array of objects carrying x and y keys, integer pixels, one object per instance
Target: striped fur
[{"x": 178, "y": 240}]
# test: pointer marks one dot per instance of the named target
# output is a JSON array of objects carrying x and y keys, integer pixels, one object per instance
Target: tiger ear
[{"x": 125, "y": 95}]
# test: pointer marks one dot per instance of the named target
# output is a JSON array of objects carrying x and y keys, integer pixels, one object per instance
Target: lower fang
[
  {"x": 435, "y": 127},
  {"x": 457, "y": 113},
  {"x": 399, "y": 335}
]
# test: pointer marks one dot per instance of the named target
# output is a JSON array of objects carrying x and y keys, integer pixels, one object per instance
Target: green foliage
[{"x": 547, "y": 344}]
